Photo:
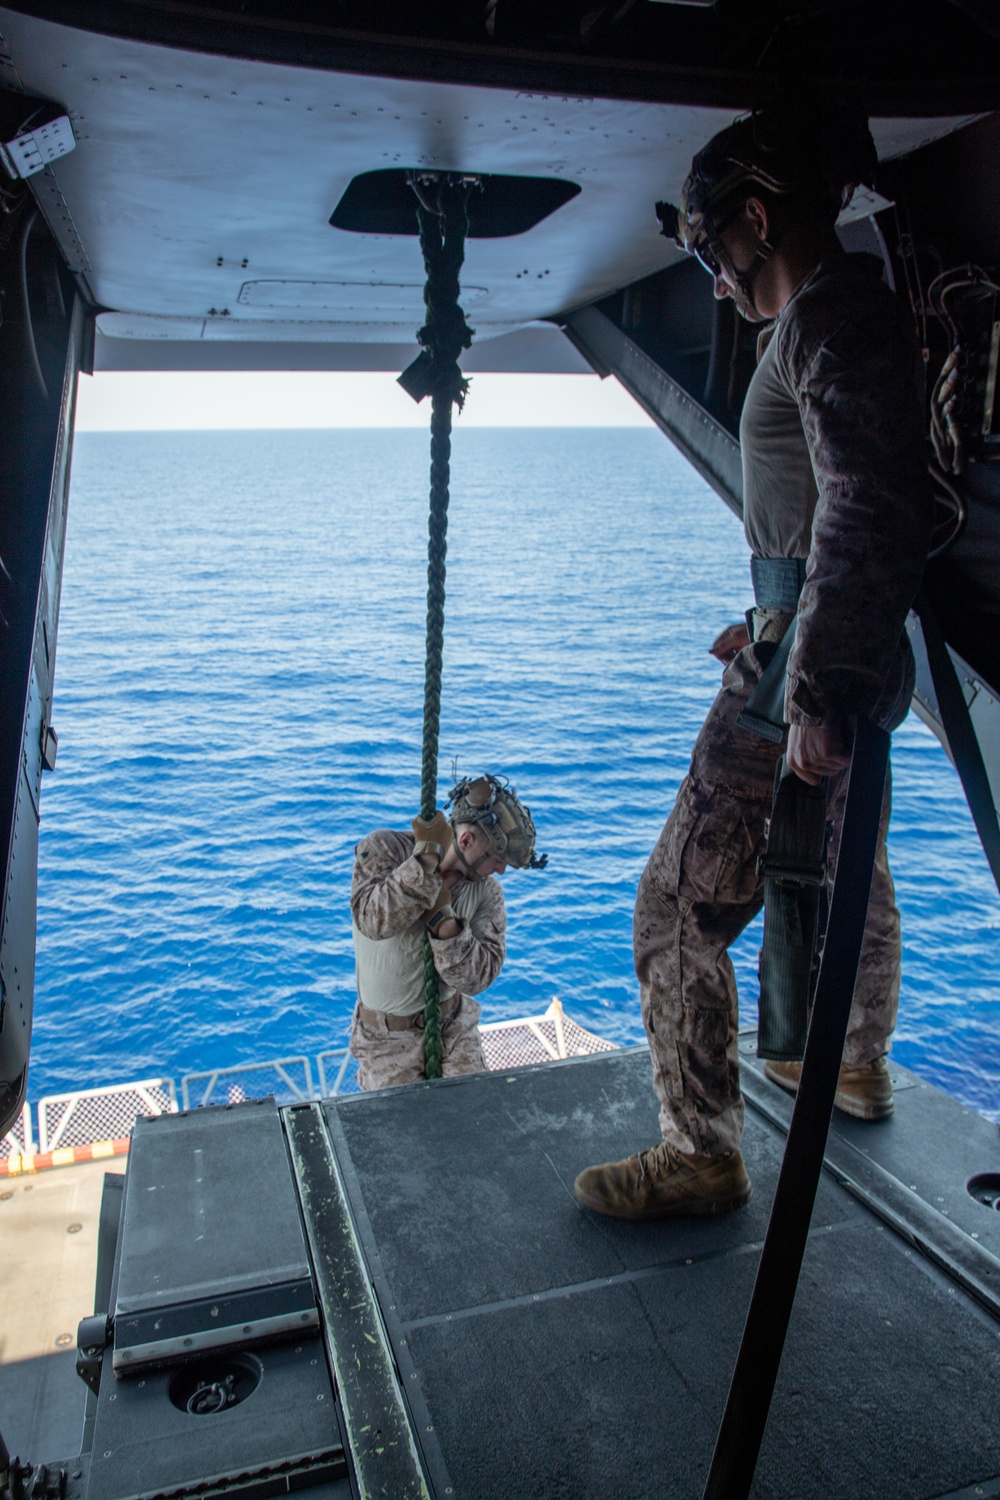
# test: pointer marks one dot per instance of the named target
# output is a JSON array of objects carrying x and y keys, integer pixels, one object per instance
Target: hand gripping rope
[{"x": 443, "y": 220}]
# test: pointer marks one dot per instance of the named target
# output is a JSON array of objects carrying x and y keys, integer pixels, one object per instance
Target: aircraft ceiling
[{"x": 196, "y": 204}]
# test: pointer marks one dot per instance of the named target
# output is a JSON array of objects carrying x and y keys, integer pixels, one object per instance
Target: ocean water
[{"x": 238, "y": 699}]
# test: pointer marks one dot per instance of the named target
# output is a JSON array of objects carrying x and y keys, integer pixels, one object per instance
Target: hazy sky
[{"x": 113, "y": 401}]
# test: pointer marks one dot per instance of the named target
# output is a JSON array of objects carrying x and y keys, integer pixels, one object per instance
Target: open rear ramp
[
  {"x": 544, "y": 1351},
  {"x": 396, "y": 1295}
]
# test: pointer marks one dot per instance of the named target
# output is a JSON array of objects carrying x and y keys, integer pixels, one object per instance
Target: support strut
[{"x": 752, "y": 1387}]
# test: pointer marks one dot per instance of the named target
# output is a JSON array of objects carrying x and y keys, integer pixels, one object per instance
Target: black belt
[{"x": 777, "y": 582}]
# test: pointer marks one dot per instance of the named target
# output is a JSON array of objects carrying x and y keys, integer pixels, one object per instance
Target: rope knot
[{"x": 443, "y": 221}]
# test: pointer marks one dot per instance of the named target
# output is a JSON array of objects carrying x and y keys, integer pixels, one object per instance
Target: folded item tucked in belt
[
  {"x": 764, "y": 713},
  {"x": 777, "y": 582}
]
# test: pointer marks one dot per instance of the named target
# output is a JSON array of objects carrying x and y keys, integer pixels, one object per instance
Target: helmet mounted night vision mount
[{"x": 491, "y": 806}]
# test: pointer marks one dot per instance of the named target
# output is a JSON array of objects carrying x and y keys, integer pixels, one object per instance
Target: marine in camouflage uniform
[
  {"x": 390, "y": 891},
  {"x": 843, "y": 359},
  {"x": 438, "y": 879},
  {"x": 834, "y": 472}
]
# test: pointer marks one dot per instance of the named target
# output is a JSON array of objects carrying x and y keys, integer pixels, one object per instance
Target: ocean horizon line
[{"x": 459, "y": 424}]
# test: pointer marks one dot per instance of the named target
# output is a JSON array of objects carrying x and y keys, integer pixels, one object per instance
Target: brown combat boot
[
  {"x": 864, "y": 1091},
  {"x": 661, "y": 1183}
]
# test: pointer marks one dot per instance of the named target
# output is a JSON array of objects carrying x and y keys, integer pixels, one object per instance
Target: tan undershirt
[
  {"x": 390, "y": 971},
  {"x": 779, "y": 487}
]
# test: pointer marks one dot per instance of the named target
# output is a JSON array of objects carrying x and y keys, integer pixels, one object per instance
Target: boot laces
[{"x": 655, "y": 1160}]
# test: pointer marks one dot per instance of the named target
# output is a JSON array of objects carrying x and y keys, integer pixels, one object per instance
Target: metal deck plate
[
  {"x": 202, "y": 1266},
  {"x": 166, "y": 1431},
  {"x": 146, "y": 1444},
  {"x": 546, "y": 1351}
]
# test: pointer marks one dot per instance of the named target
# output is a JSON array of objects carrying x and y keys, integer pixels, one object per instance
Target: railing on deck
[
  {"x": 106, "y": 1114},
  {"x": 18, "y": 1139},
  {"x": 331, "y": 1086},
  {"x": 289, "y": 1079},
  {"x": 538, "y": 1039},
  {"x": 88, "y": 1116}
]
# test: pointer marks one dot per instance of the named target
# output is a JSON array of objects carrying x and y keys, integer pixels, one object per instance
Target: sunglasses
[
  {"x": 705, "y": 256},
  {"x": 669, "y": 218}
]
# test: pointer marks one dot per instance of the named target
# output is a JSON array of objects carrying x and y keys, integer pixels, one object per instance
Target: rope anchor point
[{"x": 443, "y": 222}]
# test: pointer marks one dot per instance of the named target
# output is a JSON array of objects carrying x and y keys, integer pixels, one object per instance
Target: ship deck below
[{"x": 543, "y": 1351}]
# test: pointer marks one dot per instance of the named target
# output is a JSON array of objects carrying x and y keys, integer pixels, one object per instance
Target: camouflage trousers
[
  {"x": 698, "y": 892},
  {"x": 388, "y": 1057}
]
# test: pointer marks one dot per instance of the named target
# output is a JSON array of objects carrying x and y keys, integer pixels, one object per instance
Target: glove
[
  {"x": 442, "y": 911},
  {"x": 433, "y": 838}
]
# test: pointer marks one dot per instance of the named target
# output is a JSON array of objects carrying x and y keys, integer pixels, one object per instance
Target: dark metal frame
[
  {"x": 379, "y": 1433},
  {"x": 43, "y": 347},
  {"x": 702, "y": 439}
]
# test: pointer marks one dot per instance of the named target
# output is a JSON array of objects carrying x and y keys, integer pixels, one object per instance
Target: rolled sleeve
[{"x": 472, "y": 959}]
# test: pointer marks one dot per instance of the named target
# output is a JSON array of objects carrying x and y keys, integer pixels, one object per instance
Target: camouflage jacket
[
  {"x": 389, "y": 891},
  {"x": 847, "y": 353}
]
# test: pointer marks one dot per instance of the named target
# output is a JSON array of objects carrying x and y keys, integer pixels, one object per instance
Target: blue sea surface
[{"x": 238, "y": 698}]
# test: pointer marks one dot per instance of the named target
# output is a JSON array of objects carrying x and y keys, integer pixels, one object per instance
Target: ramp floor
[{"x": 548, "y": 1352}]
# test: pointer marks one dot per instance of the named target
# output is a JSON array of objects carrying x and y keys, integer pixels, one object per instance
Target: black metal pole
[
  {"x": 961, "y": 732},
  {"x": 745, "y": 1418}
]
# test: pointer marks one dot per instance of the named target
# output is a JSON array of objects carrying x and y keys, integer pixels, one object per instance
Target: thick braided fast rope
[{"x": 436, "y": 373}]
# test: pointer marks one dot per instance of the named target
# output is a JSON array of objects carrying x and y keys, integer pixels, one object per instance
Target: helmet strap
[
  {"x": 743, "y": 281},
  {"x": 746, "y": 280},
  {"x": 471, "y": 870}
]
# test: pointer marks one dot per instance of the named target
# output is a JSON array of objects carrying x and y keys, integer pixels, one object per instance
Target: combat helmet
[
  {"x": 788, "y": 151},
  {"x": 490, "y": 804}
]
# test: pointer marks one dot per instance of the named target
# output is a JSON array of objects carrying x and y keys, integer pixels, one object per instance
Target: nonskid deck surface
[
  {"x": 545, "y": 1351},
  {"x": 542, "y": 1351}
]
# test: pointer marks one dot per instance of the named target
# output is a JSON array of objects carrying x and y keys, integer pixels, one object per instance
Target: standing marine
[
  {"x": 439, "y": 879},
  {"x": 837, "y": 512}
]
